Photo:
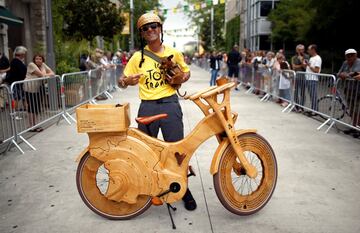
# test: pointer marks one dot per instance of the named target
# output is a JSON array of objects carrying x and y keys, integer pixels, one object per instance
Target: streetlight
[
  {"x": 50, "y": 58},
  {"x": 131, "y": 25},
  {"x": 212, "y": 27}
]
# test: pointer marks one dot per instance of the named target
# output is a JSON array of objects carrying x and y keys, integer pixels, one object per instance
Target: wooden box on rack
[{"x": 103, "y": 118}]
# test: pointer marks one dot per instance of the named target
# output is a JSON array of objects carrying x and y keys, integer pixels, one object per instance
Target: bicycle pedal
[{"x": 191, "y": 172}]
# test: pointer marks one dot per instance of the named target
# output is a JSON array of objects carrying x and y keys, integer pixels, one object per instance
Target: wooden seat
[{"x": 149, "y": 119}]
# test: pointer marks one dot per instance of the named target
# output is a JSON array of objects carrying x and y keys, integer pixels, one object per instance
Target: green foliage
[
  {"x": 140, "y": 7},
  {"x": 326, "y": 23},
  {"x": 232, "y": 33},
  {"x": 291, "y": 20},
  {"x": 202, "y": 19},
  {"x": 90, "y": 18}
]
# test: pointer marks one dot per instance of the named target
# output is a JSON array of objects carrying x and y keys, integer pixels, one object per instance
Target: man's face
[
  {"x": 151, "y": 31},
  {"x": 351, "y": 57}
]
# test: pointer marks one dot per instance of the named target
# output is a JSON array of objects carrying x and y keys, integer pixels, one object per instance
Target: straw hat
[{"x": 148, "y": 18}]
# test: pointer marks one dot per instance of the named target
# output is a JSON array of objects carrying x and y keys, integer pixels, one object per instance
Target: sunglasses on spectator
[{"x": 146, "y": 27}]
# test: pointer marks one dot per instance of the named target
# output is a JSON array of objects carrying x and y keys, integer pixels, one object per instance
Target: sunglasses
[{"x": 146, "y": 27}]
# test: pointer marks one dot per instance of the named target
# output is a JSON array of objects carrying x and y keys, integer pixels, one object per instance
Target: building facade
[
  {"x": 255, "y": 29},
  {"x": 31, "y": 33}
]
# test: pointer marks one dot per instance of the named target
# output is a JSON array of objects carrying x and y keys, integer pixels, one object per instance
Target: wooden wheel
[
  {"x": 92, "y": 182},
  {"x": 236, "y": 191}
]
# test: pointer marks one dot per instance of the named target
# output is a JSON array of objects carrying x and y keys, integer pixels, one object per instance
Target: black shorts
[
  {"x": 233, "y": 71},
  {"x": 172, "y": 127}
]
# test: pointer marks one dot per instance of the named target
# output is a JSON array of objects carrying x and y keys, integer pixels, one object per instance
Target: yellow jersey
[{"x": 152, "y": 84}]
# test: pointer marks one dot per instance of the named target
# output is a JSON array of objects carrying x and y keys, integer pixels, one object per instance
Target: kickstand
[{"x": 171, "y": 218}]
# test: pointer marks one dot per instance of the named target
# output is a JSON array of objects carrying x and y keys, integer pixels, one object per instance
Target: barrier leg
[
  {"x": 63, "y": 116},
  {"x": 287, "y": 107},
  {"x": 322, "y": 125},
  {"x": 108, "y": 95},
  {"x": 71, "y": 117},
  {"x": 331, "y": 125},
  {"x": 28, "y": 143}
]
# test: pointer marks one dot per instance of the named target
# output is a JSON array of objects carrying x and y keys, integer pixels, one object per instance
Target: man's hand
[
  {"x": 130, "y": 80},
  {"x": 343, "y": 75}
]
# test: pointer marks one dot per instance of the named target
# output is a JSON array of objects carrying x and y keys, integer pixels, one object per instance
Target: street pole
[
  {"x": 131, "y": 25},
  {"x": 271, "y": 40},
  {"x": 212, "y": 27},
  {"x": 50, "y": 58}
]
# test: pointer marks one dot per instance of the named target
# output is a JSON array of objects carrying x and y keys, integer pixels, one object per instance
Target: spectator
[
  {"x": 82, "y": 63},
  {"x": 350, "y": 70},
  {"x": 36, "y": 69},
  {"x": 269, "y": 63},
  {"x": 4, "y": 66},
  {"x": 117, "y": 61},
  {"x": 313, "y": 67},
  {"x": 297, "y": 63},
  {"x": 215, "y": 67},
  {"x": 233, "y": 61},
  {"x": 284, "y": 81},
  {"x": 17, "y": 72}
]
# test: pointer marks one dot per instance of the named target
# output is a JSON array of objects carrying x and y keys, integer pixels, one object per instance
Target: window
[
  {"x": 265, "y": 8},
  {"x": 264, "y": 42}
]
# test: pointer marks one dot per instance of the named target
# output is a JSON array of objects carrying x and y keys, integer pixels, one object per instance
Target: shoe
[
  {"x": 18, "y": 118},
  {"x": 189, "y": 201},
  {"x": 310, "y": 114},
  {"x": 284, "y": 104},
  {"x": 356, "y": 135},
  {"x": 350, "y": 131},
  {"x": 236, "y": 89}
]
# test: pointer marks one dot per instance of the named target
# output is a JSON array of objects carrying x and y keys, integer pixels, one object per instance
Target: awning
[{"x": 9, "y": 18}]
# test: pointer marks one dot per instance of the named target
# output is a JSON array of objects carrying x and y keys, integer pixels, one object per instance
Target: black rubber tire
[{"x": 324, "y": 104}]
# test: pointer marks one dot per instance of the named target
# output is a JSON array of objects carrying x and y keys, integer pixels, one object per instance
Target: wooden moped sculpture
[{"x": 124, "y": 171}]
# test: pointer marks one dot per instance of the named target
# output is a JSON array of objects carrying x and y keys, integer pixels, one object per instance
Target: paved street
[{"x": 317, "y": 191}]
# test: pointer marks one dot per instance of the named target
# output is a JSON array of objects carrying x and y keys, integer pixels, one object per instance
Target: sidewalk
[{"x": 317, "y": 188}]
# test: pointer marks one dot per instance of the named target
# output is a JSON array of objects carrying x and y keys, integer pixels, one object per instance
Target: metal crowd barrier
[
  {"x": 344, "y": 104},
  {"x": 34, "y": 102},
  {"x": 309, "y": 88},
  {"x": 26, "y": 105},
  {"x": 246, "y": 75},
  {"x": 7, "y": 131},
  {"x": 75, "y": 91}
]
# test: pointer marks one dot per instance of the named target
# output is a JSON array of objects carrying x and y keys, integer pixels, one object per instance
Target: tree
[
  {"x": 140, "y": 7},
  {"x": 202, "y": 19},
  {"x": 90, "y": 18},
  {"x": 291, "y": 20}
]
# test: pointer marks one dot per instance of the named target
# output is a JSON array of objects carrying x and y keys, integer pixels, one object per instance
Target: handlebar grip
[
  {"x": 198, "y": 94},
  {"x": 218, "y": 90}
]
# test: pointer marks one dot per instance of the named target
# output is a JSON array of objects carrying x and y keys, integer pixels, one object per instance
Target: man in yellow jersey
[{"x": 155, "y": 91}]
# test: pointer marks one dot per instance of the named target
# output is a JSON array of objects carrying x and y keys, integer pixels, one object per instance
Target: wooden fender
[{"x": 221, "y": 148}]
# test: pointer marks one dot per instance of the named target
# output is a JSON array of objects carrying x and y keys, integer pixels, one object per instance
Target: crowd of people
[
  {"x": 27, "y": 97},
  {"x": 268, "y": 69}
]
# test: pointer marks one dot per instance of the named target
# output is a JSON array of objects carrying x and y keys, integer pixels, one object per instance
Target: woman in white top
[{"x": 36, "y": 69}]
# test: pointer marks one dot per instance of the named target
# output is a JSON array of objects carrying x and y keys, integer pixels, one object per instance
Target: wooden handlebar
[
  {"x": 218, "y": 90},
  {"x": 198, "y": 94}
]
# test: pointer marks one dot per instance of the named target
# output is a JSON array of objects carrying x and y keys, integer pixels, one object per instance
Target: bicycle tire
[
  {"x": 238, "y": 201},
  {"x": 325, "y": 106},
  {"x": 93, "y": 198}
]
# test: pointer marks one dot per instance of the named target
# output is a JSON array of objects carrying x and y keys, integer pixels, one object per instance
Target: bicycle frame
[{"x": 139, "y": 164}]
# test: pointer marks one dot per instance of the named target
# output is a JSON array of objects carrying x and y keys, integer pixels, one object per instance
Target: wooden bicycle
[{"x": 124, "y": 171}]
